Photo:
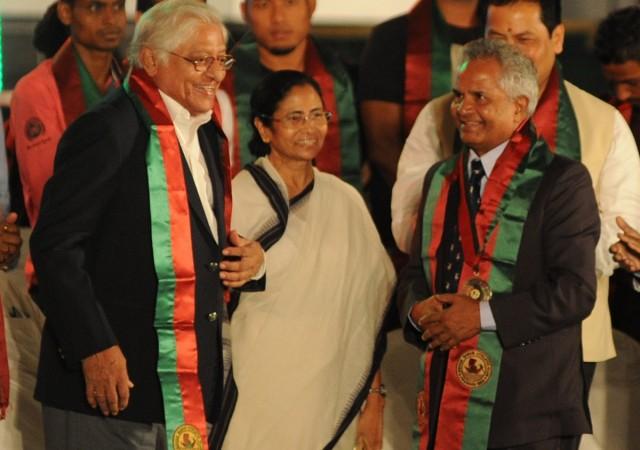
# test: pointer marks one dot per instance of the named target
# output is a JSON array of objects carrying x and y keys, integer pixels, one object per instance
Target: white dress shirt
[
  {"x": 488, "y": 160},
  {"x": 186, "y": 127}
]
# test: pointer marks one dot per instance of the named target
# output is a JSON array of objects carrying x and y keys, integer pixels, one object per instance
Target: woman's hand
[{"x": 370, "y": 423}]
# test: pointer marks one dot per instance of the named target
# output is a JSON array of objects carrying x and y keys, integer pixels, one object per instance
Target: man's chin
[{"x": 280, "y": 51}]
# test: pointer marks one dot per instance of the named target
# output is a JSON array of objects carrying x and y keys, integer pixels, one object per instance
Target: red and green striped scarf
[
  {"x": 340, "y": 155},
  {"x": 78, "y": 91},
  {"x": 465, "y": 412},
  {"x": 555, "y": 118},
  {"x": 427, "y": 61},
  {"x": 173, "y": 257}
]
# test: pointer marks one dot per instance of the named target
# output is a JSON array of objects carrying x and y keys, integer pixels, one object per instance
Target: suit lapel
[
  {"x": 209, "y": 137},
  {"x": 194, "y": 201}
]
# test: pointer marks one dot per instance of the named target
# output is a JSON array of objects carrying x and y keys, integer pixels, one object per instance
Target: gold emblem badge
[
  {"x": 187, "y": 437},
  {"x": 474, "y": 369},
  {"x": 477, "y": 290}
]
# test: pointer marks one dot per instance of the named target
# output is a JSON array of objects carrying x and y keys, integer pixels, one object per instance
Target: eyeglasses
[
  {"x": 297, "y": 119},
  {"x": 224, "y": 62}
]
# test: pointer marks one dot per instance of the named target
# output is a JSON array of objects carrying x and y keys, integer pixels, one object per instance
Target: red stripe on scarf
[
  {"x": 417, "y": 88},
  {"x": 330, "y": 158},
  {"x": 545, "y": 117}
]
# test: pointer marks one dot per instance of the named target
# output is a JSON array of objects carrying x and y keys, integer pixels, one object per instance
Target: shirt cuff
[
  {"x": 413, "y": 324},
  {"x": 636, "y": 281},
  {"x": 487, "y": 321}
]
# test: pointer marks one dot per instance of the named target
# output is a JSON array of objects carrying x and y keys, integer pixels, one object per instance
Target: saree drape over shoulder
[{"x": 304, "y": 348}]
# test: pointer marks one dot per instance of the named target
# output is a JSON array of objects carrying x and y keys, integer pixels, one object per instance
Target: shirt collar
[
  {"x": 181, "y": 117},
  {"x": 488, "y": 160}
]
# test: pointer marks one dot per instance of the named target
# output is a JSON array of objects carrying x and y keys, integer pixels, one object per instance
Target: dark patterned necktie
[{"x": 475, "y": 178}]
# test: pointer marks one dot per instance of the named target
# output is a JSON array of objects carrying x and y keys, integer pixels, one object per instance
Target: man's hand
[
  {"x": 248, "y": 258},
  {"x": 10, "y": 240},
  {"x": 423, "y": 311},
  {"x": 452, "y": 325},
  {"x": 107, "y": 381},
  {"x": 627, "y": 251}
]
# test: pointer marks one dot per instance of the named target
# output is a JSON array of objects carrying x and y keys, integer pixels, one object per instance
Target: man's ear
[
  {"x": 522, "y": 105},
  {"x": 149, "y": 61},
  {"x": 64, "y": 12},
  {"x": 557, "y": 39}
]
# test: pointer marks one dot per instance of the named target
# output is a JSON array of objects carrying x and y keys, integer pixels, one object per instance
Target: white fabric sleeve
[
  {"x": 419, "y": 153},
  {"x": 487, "y": 321},
  {"x": 618, "y": 192}
]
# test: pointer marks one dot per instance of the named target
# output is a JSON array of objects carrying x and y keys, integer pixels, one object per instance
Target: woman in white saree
[{"x": 306, "y": 351}]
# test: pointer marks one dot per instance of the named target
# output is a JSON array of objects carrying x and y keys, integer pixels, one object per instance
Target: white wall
[{"x": 328, "y": 11}]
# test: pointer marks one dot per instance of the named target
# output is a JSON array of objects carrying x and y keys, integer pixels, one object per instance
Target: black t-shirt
[{"x": 382, "y": 68}]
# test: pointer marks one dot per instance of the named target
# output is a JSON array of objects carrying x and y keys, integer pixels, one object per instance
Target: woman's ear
[{"x": 263, "y": 130}]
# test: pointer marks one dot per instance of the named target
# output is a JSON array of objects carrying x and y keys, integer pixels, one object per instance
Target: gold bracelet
[{"x": 380, "y": 390}]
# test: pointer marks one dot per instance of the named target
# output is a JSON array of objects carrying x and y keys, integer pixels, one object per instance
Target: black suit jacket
[
  {"x": 93, "y": 256},
  {"x": 540, "y": 390}
]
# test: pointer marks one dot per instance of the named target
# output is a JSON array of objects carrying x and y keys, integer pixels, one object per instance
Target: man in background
[{"x": 280, "y": 39}]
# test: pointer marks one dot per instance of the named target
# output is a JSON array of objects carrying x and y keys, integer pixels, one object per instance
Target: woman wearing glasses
[{"x": 305, "y": 351}]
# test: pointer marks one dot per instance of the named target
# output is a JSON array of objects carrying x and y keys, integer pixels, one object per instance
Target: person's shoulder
[
  {"x": 566, "y": 170},
  {"x": 336, "y": 186},
  {"x": 394, "y": 27},
  {"x": 116, "y": 108},
  {"x": 114, "y": 119},
  {"x": 591, "y": 100},
  {"x": 35, "y": 83}
]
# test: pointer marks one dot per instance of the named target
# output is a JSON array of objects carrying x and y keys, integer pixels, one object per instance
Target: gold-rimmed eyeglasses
[
  {"x": 297, "y": 119},
  {"x": 223, "y": 62}
]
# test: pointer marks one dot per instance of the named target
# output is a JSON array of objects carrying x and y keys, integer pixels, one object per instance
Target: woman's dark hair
[
  {"x": 266, "y": 97},
  {"x": 50, "y": 33}
]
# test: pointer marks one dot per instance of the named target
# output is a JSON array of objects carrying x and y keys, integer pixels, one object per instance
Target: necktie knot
[{"x": 477, "y": 170}]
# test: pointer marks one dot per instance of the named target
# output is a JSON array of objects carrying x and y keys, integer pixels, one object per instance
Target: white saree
[{"x": 303, "y": 348}]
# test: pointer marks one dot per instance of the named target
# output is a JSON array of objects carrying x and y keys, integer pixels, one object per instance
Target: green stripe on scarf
[{"x": 568, "y": 135}]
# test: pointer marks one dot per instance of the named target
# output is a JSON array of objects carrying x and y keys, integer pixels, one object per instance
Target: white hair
[
  {"x": 169, "y": 24},
  {"x": 519, "y": 76}
]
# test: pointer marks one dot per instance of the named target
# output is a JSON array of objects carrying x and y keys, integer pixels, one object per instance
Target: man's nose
[{"x": 277, "y": 11}]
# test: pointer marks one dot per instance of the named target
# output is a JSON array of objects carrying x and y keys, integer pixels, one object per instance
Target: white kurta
[{"x": 303, "y": 348}]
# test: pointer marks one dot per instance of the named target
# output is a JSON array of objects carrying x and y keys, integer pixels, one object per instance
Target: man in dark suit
[
  {"x": 501, "y": 272},
  {"x": 133, "y": 252}
]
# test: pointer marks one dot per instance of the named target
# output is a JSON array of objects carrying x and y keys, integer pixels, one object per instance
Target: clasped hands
[
  {"x": 627, "y": 250},
  {"x": 247, "y": 258},
  {"x": 446, "y": 320}
]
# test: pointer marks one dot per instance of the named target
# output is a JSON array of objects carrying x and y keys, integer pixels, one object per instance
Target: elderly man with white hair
[
  {"x": 134, "y": 254},
  {"x": 502, "y": 272}
]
